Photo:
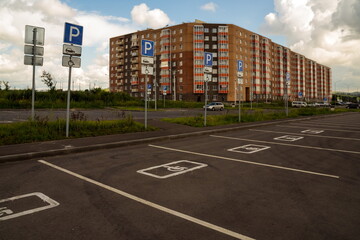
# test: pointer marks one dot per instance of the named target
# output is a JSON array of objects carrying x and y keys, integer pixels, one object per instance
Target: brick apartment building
[{"x": 179, "y": 63}]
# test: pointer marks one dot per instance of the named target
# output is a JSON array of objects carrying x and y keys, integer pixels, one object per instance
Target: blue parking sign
[
  {"x": 73, "y": 34},
  {"x": 208, "y": 59},
  {"x": 240, "y": 65},
  {"x": 147, "y": 48}
]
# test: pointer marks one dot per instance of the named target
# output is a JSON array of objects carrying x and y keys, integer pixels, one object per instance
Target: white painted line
[
  {"x": 247, "y": 162},
  {"x": 328, "y": 129},
  {"x": 310, "y": 135},
  {"x": 173, "y": 168},
  {"x": 151, "y": 204},
  {"x": 313, "y": 131},
  {"x": 323, "y": 125},
  {"x": 248, "y": 149},
  {"x": 286, "y": 144},
  {"x": 288, "y": 138},
  {"x": 335, "y": 123},
  {"x": 6, "y": 213}
]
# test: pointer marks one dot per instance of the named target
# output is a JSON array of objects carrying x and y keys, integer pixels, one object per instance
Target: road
[{"x": 293, "y": 181}]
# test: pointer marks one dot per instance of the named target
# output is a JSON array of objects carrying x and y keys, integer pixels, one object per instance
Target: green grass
[
  {"x": 44, "y": 130},
  {"x": 249, "y": 116}
]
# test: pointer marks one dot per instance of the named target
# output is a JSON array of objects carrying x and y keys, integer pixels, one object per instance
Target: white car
[
  {"x": 215, "y": 106},
  {"x": 298, "y": 104}
]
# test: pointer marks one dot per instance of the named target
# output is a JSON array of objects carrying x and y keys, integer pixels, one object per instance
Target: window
[
  {"x": 214, "y": 30},
  {"x": 206, "y": 46},
  {"x": 214, "y": 46},
  {"x": 206, "y": 30},
  {"x": 206, "y": 38},
  {"x": 180, "y": 55},
  {"x": 214, "y": 38}
]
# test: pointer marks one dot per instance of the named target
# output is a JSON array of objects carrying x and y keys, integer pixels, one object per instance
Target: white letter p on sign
[{"x": 74, "y": 32}]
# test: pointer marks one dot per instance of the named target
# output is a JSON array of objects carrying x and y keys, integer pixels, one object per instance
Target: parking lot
[{"x": 296, "y": 180}]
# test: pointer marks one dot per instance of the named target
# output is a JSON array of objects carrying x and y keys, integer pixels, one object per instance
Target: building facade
[{"x": 179, "y": 66}]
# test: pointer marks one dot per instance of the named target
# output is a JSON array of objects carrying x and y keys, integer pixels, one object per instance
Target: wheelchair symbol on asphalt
[{"x": 172, "y": 169}]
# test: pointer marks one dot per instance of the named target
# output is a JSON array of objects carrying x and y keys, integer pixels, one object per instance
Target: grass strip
[
  {"x": 249, "y": 116},
  {"x": 43, "y": 130}
]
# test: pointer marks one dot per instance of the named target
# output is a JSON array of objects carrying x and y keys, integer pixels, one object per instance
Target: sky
[{"x": 325, "y": 31}]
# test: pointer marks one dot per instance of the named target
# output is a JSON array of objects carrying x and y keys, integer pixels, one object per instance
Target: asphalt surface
[{"x": 278, "y": 180}]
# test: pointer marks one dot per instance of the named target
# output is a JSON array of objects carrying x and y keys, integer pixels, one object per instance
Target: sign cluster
[
  {"x": 72, "y": 45},
  {"x": 208, "y": 63},
  {"x": 34, "y": 42},
  {"x": 240, "y": 71}
]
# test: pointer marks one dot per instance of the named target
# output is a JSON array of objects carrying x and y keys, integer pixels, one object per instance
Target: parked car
[
  {"x": 353, "y": 106},
  {"x": 322, "y": 104},
  {"x": 298, "y": 104},
  {"x": 215, "y": 106}
]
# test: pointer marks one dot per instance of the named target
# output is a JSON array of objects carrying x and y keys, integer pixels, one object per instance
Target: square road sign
[
  {"x": 73, "y": 34},
  {"x": 147, "y": 48},
  {"x": 208, "y": 59}
]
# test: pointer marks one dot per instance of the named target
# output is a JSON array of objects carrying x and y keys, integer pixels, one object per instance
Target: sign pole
[
  {"x": 239, "y": 102},
  {"x": 71, "y": 63},
  {"x": 146, "y": 95},
  {"x": 205, "y": 101},
  {"x": 33, "y": 78},
  {"x": 155, "y": 84}
]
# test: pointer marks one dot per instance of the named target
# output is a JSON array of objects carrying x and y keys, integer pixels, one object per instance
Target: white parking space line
[
  {"x": 247, "y": 162},
  {"x": 301, "y": 134},
  {"x": 151, "y": 204},
  {"x": 324, "y": 125},
  {"x": 286, "y": 144},
  {"x": 335, "y": 124},
  {"x": 327, "y": 129}
]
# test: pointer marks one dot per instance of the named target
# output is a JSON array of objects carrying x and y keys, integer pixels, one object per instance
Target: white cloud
[
  {"x": 209, "y": 7},
  {"x": 156, "y": 18},
  {"x": 52, "y": 14},
  {"x": 326, "y": 31}
]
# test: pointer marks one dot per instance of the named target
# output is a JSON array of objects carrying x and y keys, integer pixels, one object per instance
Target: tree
[
  {"x": 48, "y": 80},
  {"x": 6, "y": 85}
]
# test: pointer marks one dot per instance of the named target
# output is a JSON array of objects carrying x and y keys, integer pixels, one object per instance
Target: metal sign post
[
  {"x": 71, "y": 58},
  {"x": 240, "y": 75},
  {"x": 147, "y": 60},
  {"x": 287, "y": 82},
  {"x": 208, "y": 62},
  {"x": 33, "y": 80},
  {"x": 33, "y": 36}
]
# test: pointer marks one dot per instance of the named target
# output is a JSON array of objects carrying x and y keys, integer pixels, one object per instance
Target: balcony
[
  {"x": 120, "y": 42},
  {"x": 134, "y": 45}
]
